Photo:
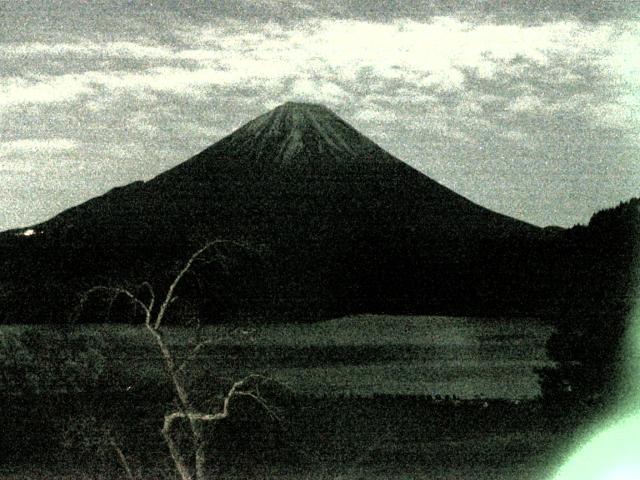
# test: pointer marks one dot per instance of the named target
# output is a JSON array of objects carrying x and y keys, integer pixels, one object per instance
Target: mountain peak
[
  {"x": 300, "y": 133},
  {"x": 300, "y": 115},
  {"x": 303, "y": 106}
]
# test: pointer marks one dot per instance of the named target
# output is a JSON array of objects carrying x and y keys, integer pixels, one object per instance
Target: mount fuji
[{"x": 334, "y": 225}]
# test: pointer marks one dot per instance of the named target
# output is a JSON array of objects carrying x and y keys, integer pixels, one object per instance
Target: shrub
[{"x": 41, "y": 360}]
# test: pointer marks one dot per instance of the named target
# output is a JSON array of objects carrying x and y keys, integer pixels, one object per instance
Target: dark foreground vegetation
[
  {"x": 70, "y": 411},
  {"x": 348, "y": 436}
]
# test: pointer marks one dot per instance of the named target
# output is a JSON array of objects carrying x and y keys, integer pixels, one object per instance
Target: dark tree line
[{"x": 597, "y": 275}]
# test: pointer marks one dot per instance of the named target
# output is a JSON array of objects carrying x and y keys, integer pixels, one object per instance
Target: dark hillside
[{"x": 596, "y": 276}]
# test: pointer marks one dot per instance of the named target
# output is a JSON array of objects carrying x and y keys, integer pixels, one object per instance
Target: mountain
[{"x": 334, "y": 224}]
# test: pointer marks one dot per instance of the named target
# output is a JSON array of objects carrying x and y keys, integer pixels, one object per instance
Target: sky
[{"x": 530, "y": 108}]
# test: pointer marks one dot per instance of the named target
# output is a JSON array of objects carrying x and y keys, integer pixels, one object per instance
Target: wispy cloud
[
  {"x": 333, "y": 59},
  {"x": 27, "y": 155},
  {"x": 36, "y": 145},
  {"x": 85, "y": 49},
  {"x": 467, "y": 100},
  {"x": 16, "y": 91}
]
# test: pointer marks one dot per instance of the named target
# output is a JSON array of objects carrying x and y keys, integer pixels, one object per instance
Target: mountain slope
[
  {"x": 295, "y": 153},
  {"x": 336, "y": 223}
]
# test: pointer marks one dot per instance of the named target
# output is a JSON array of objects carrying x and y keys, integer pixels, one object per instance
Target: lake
[
  {"x": 370, "y": 354},
  {"x": 359, "y": 355}
]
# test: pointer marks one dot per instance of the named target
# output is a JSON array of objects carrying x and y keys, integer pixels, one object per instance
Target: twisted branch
[{"x": 186, "y": 410}]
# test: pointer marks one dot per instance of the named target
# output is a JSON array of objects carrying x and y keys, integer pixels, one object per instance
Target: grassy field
[{"x": 347, "y": 438}]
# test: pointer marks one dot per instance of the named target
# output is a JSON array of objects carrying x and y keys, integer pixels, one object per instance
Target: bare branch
[
  {"x": 122, "y": 459},
  {"x": 171, "y": 366},
  {"x": 116, "y": 291},
  {"x": 232, "y": 394},
  {"x": 193, "y": 354},
  {"x": 176, "y": 281},
  {"x": 170, "y": 293},
  {"x": 176, "y": 456},
  {"x": 152, "y": 293},
  {"x": 236, "y": 391},
  {"x": 153, "y": 323},
  {"x": 196, "y": 418},
  {"x": 260, "y": 401}
]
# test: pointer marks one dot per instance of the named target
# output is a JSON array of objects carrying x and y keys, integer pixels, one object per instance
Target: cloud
[
  {"x": 121, "y": 49},
  {"x": 336, "y": 58},
  {"x": 523, "y": 12},
  {"x": 463, "y": 100},
  {"x": 36, "y": 145},
  {"x": 374, "y": 115},
  {"x": 526, "y": 103},
  {"x": 24, "y": 156},
  {"x": 318, "y": 91},
  {"x": 15, "y": 91}
]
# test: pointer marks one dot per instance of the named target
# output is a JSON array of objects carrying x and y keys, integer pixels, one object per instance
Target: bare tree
[{"x": 154, "y": 311}]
